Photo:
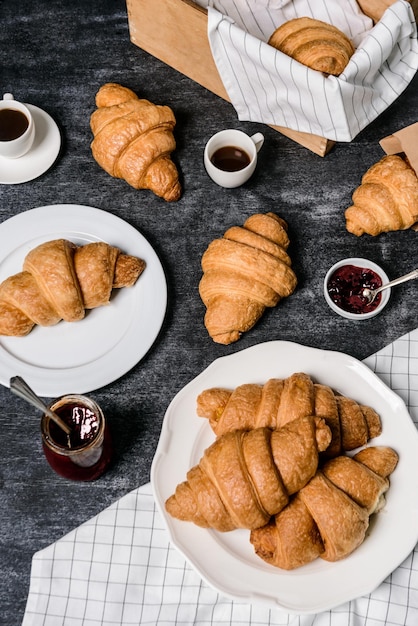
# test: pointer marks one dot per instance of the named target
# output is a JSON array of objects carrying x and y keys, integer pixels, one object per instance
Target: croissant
[
  {"x": 244, "y": 272},
  {"x": 318, "y": 45},
  {"x": 245, "y": 477},
  {"x": 133, "y": 140},
  {"x": 329, "y": 517},
  {"x": 386, "y": 200},
  {"x": 280, "y": 401},
  {"x": 60, "y": 280}
]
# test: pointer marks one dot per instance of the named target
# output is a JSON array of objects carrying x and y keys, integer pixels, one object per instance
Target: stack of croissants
[{"x": 279, "y": 468}]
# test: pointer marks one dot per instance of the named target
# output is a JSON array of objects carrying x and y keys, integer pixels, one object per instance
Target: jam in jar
[{"x": 86, "y": 452}]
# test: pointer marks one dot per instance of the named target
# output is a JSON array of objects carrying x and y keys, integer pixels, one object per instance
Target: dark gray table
[{"x": 56, "y": 55}]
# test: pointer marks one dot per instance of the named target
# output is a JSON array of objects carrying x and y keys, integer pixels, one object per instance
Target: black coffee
[
  {"x": 230, "y": 159},
  {"x": 12, "y": 124}
]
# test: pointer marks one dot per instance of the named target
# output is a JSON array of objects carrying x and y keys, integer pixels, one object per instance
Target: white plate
[
  {"x": 41, "y": 156},
  {"x": 227, "y": 560},
  {"x": 81, "y": 356}
]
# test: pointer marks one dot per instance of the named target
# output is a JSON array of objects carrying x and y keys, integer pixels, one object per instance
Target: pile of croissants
[{"x": 279, "y": 467}]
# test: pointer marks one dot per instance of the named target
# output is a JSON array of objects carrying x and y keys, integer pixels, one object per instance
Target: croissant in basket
[
  {"x": 280, "y": 401},
  {"x": 60, "y": 280},
  {"x": 386, "y": 200},
  {"x": 245, "y": 477},
  {"x": 133, "y": 140},
  {"x": 329, "y": 517},
  {"x": 244, "y": 272},
  {"x": 314, "y": 43}
]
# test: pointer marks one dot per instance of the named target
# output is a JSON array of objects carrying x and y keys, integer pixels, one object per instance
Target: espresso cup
[
  {"x": 230, "y": 157},
  {"x": 17, "y": 129}
]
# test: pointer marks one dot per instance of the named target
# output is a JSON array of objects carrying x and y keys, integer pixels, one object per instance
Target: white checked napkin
[
  {"x": 265, "y": 85},
  {"x": 120, "y": 569}
]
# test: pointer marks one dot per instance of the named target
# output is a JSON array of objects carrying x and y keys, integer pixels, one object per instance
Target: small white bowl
[{"x": 365, "y": 264}]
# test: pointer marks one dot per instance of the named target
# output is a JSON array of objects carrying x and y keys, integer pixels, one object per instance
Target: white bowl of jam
[{"x": 344, "y": 284}]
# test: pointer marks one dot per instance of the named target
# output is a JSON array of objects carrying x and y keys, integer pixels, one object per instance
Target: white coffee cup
[
  {"x": 21, "y": 131},
  {"x": 238, "y": 150}
]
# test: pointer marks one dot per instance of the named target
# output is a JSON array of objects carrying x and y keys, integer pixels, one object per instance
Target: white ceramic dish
[
  {"x": 40, "y": 157},
  {"x": 227, "y": 560},
  {"x": 363, "y": 263},
  {"x": 81, "y": 356}
]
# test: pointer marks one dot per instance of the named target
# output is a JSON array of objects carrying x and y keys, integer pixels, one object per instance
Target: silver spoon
[
  {"x": 20, "y": 388},
  {"x": 370, "y": 294}
]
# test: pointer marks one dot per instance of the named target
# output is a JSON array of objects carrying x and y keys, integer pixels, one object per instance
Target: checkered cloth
[{"x": 119, "y": 568}]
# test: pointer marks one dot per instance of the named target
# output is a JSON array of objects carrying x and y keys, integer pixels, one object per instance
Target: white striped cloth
[
  {"x": 265, "y": 85},
  {"x": 120, "y": 569}
]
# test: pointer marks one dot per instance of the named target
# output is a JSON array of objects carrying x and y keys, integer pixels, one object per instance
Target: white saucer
[{"x": 40, "y": 157}]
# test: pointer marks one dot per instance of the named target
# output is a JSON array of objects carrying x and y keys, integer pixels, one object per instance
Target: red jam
[
  {"x": 346, "y": 285},
  {"x": 87, "y": 451}
]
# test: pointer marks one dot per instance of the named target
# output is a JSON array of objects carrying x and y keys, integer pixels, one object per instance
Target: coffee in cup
[
  {"x": 230, "y": 157},
  {"x": 17, "y": 129}
]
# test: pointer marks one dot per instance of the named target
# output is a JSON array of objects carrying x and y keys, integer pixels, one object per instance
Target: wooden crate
[{"x": 175, "y": 31}]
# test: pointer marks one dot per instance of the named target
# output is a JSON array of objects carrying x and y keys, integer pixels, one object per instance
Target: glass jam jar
[{"x": 87, "y": 451}]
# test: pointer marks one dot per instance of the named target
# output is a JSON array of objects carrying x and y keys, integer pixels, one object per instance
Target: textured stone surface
[{"x": 56, "y": 55}]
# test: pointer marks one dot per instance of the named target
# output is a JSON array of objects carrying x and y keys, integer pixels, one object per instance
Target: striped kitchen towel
[{"x": 265, "y": 85}]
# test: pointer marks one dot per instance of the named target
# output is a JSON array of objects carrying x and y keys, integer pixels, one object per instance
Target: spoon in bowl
[
  {"x": 370, "y": 294},
  {"x": 21, "y": 388}
]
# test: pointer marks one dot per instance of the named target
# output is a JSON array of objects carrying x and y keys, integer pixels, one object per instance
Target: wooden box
[{"x": 175, "y": 31}]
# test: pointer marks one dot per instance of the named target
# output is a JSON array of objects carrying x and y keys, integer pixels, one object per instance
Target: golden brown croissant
[
  {"x": 133, "y": 140},
  {"x": 318, "y": 45},
  {"x": 280, "y": 401},
  {"x": 60, "y": 280},
  {"x": 244, "y": 272},
  {"x": 386, "y": 200},
  {"x": 329, "y": 517},
  {"x": 244, "y": 477}
]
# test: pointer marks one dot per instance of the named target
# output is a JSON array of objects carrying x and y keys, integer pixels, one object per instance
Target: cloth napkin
[
  {"x": 265, "y": 85},
  {"x": 119, "y": 568}
]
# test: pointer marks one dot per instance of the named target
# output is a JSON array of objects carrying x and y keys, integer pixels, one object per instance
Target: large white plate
[
  {"x": 227, "y": 560},
  {"x": 81, "y": 356}
]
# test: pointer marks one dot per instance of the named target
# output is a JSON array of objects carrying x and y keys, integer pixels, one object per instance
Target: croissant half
[
  {"x": 280, "y": 401},
  {"x": 244, "y": 272},
  {"x": 133, "y": 140},
  {"x": 314, "y": 43},
  {"x": 245, "y": 477},
  {"x": 60, "y": 281},
  {"x": 386, "y": 200},
  {"x": 328, "y": 517}
]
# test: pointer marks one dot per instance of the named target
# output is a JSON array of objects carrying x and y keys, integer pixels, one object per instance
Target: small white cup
[
  {"x": 241, "y": 141},
  {"x": 15, "y": 148}
]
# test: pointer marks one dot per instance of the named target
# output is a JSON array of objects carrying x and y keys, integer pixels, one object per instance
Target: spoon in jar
[
  {"x": 20, "y": 388},
  {"x": 370, "y": 294}
]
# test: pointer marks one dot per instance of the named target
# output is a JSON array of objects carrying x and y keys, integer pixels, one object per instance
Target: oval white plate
[
  {"x": 227, "y": 560},
  {"x": 82, "y": 356}
]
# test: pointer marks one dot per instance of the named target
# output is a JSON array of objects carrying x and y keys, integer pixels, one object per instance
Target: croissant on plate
[
  {"x": 133, "y": 140},
  {"x": 280, "y": 401},
  {"x": 244, "y": 272},
  {"x": 60, "y": 280},
  {"x": 314, "y": 43},
  {"x": 329, "y": 517},
  {"x": 245, "y": 477},
  {"x": 386, "y": 200}
]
